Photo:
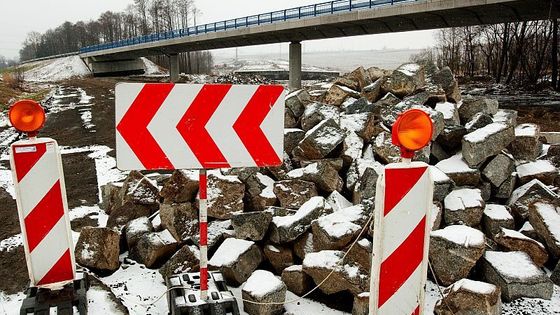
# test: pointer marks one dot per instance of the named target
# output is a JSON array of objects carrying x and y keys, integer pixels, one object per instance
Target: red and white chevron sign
[
  {"x": 43, "y": 212},
  {"x": 190, "y": 126},
  {"x": 401, "y": 239}
]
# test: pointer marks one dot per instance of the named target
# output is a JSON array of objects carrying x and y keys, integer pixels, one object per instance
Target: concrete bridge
[{"x": 332, "y": 19}]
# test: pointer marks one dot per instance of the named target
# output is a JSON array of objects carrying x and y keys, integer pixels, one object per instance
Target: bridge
[{"x": 332, "y": 19}]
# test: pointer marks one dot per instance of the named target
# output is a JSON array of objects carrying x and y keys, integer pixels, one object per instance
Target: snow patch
[
  {"x": 262, "y": 283},
  {"x": 59, "y": 69},
  {"x": 461, "y": 235},
  {"x": 230, "y": 250}
]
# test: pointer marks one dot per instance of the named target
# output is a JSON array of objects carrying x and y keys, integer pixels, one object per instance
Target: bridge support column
[
  {"x": 295, "y": 66},
  {"x": 173, "y": 68}
]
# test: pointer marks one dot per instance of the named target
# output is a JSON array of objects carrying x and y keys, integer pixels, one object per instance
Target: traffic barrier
[{"x": 401, "y": 230}]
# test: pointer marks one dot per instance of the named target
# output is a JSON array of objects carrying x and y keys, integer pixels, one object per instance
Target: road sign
[
  {"x": 401, "y": 239},
  {"x": 43, "y": 212},
  {"x": 194, "y": 126}
]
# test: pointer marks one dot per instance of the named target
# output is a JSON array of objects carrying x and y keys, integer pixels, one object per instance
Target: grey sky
[{"x": 17, "y": 18}]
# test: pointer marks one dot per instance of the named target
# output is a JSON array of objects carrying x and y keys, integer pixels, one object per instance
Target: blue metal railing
[{"x": 313, "y": 10}]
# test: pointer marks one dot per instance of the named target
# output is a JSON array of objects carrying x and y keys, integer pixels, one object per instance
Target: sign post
[
  {"x": 401, "y": 229},
  {"x": 166, "y": 126},
  {"x": 43, "y": 214}
]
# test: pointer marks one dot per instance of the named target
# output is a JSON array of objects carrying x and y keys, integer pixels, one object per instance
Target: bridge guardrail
[{"x": 313, "y": 10}]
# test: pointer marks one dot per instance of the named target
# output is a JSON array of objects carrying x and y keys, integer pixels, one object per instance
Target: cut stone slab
[
  {"x": 225, "y": 195},
  {"x": 542, "y": 170},
  {"x": 259, "y": 192},
  {"x": 527, "y": 194},
  {"x": 154, "y": 249},
  {"x": 320, "y": 141},
  {"x": 297, "y": 281},
  {"x": 317, "y": 112},
  {"x": 129, "y": 211},
  {"x": 322, "y": 173},
  {"x": 480, "y": 120},
  {"x": 372, "y": 92},
  {"x": 98, "y": 249},
  {"x": 360, "y": 306},
  {"x": 136, "y": 228},
  {"x": 442, "y": 183},
  {"x": 292, "y": 136},
  {"x": 358, "y": 169},
  {"x": 528, "y": 230},
  {"x": 505, "y": 190},
  {"x": 338, "y": 229},
  {"x": 181, "y": 187},
  {"x": 450, "y": 113},
  {"x": 436, "y": 215},
  {"x": 345, "y": 277},
  {"x": 236, "y": 259},
  {"x": 499, "y": 169},
  {"x": 140, "y": 190},
  {"x": 251, "y": 225},
  {"x": 545, "y": 219},
  {"x": 285, "y": 229},
  {"x": 297, "y": 100},
  {"x": 181, "y": 219},
  {"x": 486, "y": 142},
  {"x": 263, "y": 287},
  {"x": 110, "y": 197},
  {"x": 361, "y": 255},
  {"x": 338, "y": 201},
  {"x": 555, "y": 276},
  {"x": 496, "y": 217},
  {"x": 280, "y": 257},
  {"x": 473, "y": 105},
  {"x": 390, "y": 153},
  {"x": 366, "y": 187},
  {"x": 526, "y": 145},
  {"x": 514, "y": 241},
  {"x": 459, "y": 171},
  {"x": 451, "y": 138},
  {"x": 293, "y": 193},
  {"x": 454, "y": 251},
  {"x": 337, "y": 94},
  {"x": 506, "y": 116},
  {"x": 405, "y": 80},
  {"x": 303, "y": 245},
  {"x": 447, "y": 81},
  {"x": 470, "y": 297},
  {"x": 184, "y": 260},
  {"x": 464, "y": 206},
  {"x": 363, "y": 124},
  {"x": 516, "y": 275}
]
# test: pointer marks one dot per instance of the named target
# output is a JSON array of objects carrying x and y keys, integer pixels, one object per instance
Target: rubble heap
[{"x": 496, "y": 218}]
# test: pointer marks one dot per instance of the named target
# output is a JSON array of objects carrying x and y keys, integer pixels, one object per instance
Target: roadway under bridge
[{"x": 333, "y": 19}]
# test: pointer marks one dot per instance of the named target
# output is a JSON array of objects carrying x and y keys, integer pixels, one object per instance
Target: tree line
[
  {"x": 521, "y": 53},
  {"x": 144, "y": 17}
]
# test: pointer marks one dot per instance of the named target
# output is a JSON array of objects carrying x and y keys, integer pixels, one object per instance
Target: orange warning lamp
[
  {"x": 27, "y": 116},
  {"x": 412, "y": 131}
]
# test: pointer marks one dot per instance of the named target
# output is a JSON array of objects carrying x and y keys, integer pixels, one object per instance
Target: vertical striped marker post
[
  {"x": 43, "y": 212},
  {"x": 403, "y": 202},
  {"x": 203, "y": 223}
]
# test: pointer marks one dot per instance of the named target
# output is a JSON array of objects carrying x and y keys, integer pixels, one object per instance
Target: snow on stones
[
  {"x": 405, "y": 80},
  {"x": 292, "y": 136},
  {"x": 259, "y": 192},
  {"x": 236, "y": 259},
  {"x": 136, "y": 228},
  {"x": 346, "y": 277},
  {"x": 515, "y": 241},
  {"x": 527, "y": 194},
  {"x": 182, "y": 186},
  {"x": 480, "y": 120},
  {"x": 184, "y": 260},
  {"x": 225, "y": 195},
  {"x": 263, "y": 287},
  {"x": 486, "y": 142},
  {"x": 279, "y": 257},
  {"x": 316, "y": 113},
  {"x": 464, "y": 206},
  {"x": 251, "y": 225},
  {"x": 496, "y": 217},
  {"x": 337, "y": 94},
  {"x": 526, "y": 145},
  {"x": 293, "y": 193},
  {"x": 285, "y": 229},
  {"x": 98, "y": 249},
  {"x": 442, "y": 183},
  {"x": 499, "y": 169},
  {"x": 470, "y": 106},
  {"x": 181, "y": 219},
  {"x": 516, "y": 275},
  {"x": 153, "y": 249},
  {"x": 296, "y": 280},
  {"x": 338, "y": 229},
  {"x": 450, "y": 113},
  {"x": 338, "y": 201},
  {"x": 459, "y": 171},
  {"x": 322, "y": 173},
  {"x": 352, "y": 147},
  {"x": 542, "y": 170},
  {"x": 454, "y": 251},
  {"x": 320, "y": 141},
  {"x": 470, "y": 297},
  {"x": 545, "y": 219}
]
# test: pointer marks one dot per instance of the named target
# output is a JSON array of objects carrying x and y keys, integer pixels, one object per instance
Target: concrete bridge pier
[
  {"x": 173, "y": 68},
  {"x": 295, "y": 66}
]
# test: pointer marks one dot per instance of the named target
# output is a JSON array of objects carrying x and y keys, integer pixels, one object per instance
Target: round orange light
[
  {"x": 413, "y": 130},
  {"x": 27, "y": 116}
]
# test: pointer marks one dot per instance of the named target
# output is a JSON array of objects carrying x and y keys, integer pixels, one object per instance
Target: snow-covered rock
[
  {"x": 516, "y": 275},
  {"x": 181, "y": 187},
  {"x": 320, "y": 141},
  {"x": 251, "y": 225},
  {"x": 153, "y": 249},
  {"x": 486, "y": 142},
  {"x": 459, "y": 171},
  {"x": 527, "y": 194},
  {"x": 470, "y": 297},
  {"x": 293, "y": 193},
  {"x": 279, "y": 256},
  {"x": 515, "y": 241},
  {"x": 526, "y": 145},
  {"x": 545, "y": 218},
  {"x": 338, "y": 229},
  {"x": 473, "y": 105},
  {"x": 98, "y": 249},
  {"x": 296, "y": 280},
  {"x": 464, "y": 206},
  {"x": 499, "y": 169},
  {"x": 263, "y": 287},
  {"x": 494, "y": 218},
  {"x": 236, "y": 259},
  {"x": 542, "y": 170},
  {"x": 135, "y": 229},
  {"x": 184, "y": 260},
  {"x": 181, "y": 219}
]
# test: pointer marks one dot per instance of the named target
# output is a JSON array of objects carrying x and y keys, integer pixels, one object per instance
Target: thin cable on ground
[{"x": 366, "y": 226}]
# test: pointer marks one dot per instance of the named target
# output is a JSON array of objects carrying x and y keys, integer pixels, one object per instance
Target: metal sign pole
[{"x": 203, "y": 223}]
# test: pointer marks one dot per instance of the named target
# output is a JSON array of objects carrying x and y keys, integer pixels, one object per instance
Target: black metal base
[
  {"x": 40, "y": 301},
  {"x": 183, "y": 296}
]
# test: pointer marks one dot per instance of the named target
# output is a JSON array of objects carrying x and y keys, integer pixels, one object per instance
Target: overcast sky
[{"x": 19, "y": 17}]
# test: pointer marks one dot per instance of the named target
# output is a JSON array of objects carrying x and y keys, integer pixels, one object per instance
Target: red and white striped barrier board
[
  {"x": 194, "y": 126},
  {"x": 203, "y": 224},
  {"x": 43, "y": 212},
  {"x": 401, "y": 239}
]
